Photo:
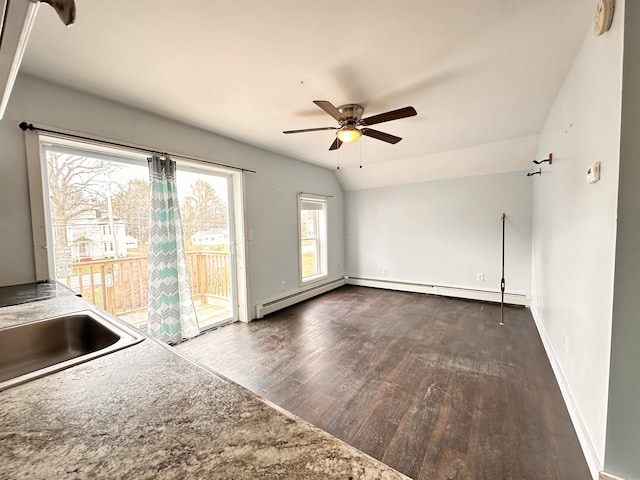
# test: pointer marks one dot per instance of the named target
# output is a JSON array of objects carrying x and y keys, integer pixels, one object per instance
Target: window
[
  {"x": 313, "y": 237},
  {"x": 97, "y": 201},
  {"x": 84, "y": 250}
]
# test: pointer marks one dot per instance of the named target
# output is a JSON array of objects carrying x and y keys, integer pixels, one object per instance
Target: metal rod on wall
[
  {"x": 316, "y": 194},
  {"x": 549, "y": 160},
  {"x": 502, "y": 282},
  {"x": 24, "y": 126}
]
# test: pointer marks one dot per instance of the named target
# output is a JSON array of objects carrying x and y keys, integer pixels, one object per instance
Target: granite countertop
[
  {"x": 33, "y": 292},
  {"x": 147, "y": 412}
]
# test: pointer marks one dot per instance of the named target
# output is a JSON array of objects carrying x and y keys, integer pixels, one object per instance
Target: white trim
[
  {"x": 483, "y": 295},
  {"x": 37, "y": 200},
  {"x": 16, "y": 21},
  {"x": 240, "y": 226},
  {"x": 608, "y": 476},
  {"x": 279, "y": 303},
  {"x": 584, "y": 438},
  {"x": 322, "y": 243}
]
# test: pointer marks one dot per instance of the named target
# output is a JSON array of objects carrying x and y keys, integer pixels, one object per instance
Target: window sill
[{"x": 313, "y": 279}]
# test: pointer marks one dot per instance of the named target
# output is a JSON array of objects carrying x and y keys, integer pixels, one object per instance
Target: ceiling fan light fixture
[
  {"x": 348, "y": 134},
  {"x": 349, "y": 117}
]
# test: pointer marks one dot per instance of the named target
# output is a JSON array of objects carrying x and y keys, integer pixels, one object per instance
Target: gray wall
[
  {"x": 623, "y": 423},
  {"x": 270, "y": 193},
  {"x": 443, "y": 232}
]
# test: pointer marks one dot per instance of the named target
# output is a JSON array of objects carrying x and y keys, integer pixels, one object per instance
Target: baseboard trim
[
  {"x": 608, "y": 476},
  {"x": 483, "y": 295},
  {"x": 584, "y": 438}
]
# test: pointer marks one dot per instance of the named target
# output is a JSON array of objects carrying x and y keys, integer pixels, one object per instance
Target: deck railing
[{"x": 120, "y": 286}]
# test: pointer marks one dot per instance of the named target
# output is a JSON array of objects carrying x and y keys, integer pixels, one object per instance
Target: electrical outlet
[
  {"x": 250, "y": 235},
  {"x": 385, "y": 271},
  {"x": 480, "y": 277},
  {"x": 284, "y": 285}
]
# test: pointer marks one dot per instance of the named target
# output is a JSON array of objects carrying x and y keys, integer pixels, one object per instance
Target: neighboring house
[
  {"x": 91, "y": 237},
  {"x": 213, "y": 236},
  {"x": 131, "y": 242}
]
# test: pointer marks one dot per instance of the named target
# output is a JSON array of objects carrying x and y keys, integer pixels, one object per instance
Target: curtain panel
[{"x": 172, "y": 314}]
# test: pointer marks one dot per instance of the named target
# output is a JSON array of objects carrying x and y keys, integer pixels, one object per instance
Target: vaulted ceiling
[{"x": 481, "y": 75}]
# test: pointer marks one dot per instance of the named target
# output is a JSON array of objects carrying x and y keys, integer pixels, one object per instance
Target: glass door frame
[
  {"x": 41, "y": 224},
  {"x": 231, "y": 221}
]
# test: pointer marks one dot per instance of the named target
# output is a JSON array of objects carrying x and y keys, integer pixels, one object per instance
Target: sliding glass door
[{"x": 97, "y": 208}]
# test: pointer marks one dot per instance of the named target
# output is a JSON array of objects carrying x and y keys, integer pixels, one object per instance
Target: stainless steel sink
[{"x": 39, "y": 348}]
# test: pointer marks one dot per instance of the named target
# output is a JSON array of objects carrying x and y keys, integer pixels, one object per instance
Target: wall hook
[
  {"x": 550, "y": 160},
  {"x": 531, "y": 174}
]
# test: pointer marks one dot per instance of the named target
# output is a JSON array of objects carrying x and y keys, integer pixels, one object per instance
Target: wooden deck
[
  {"x": 120, "y": 286},
  {"x": 209, "y": 314}
]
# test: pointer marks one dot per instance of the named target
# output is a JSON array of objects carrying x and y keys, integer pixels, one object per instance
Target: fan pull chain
[
  {"x": 360, "y": 142},
  {"x": 338, "y": 158}
]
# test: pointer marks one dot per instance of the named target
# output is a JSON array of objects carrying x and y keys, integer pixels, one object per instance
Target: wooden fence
[{"x": 121, "y": 286}]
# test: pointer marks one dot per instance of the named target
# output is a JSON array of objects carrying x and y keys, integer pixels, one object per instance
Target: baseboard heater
[
  {"x": 483, "y": 295},
  {"x": 263, "y": 309}
]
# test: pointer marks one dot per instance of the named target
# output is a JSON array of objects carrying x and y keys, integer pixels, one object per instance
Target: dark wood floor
[{"x": 431, "y": 386}]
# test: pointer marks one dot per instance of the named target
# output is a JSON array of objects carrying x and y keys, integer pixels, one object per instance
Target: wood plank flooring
[{"x": 431, "y": 386}]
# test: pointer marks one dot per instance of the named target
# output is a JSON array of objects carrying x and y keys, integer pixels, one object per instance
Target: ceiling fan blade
[
  {"x": 330, "y": 109},
  {"x": 388, "y": 116},
  {"x": 310, "y": 130},
  {"x": 385, "y": 137},
  {"x": 337, "y": 143}
]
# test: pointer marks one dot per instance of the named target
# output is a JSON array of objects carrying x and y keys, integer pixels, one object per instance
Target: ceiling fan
[{"x": 352, "y": 125}]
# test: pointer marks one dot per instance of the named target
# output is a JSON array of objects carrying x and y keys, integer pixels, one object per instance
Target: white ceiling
[{"x": 478, "y": 73}]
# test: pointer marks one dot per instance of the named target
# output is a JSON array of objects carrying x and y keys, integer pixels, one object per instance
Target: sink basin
[{"x": 39, "y": 348}]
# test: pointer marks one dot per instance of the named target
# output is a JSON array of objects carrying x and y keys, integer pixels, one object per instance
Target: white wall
[
  {"x": 443, "y": 232},
  {"x": 271, "y": 193},
  {"x": 485, "y": 159},
  {"x": 574, "y": 231}
]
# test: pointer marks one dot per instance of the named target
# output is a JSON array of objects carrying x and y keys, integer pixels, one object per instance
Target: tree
[
  {"x": 131, "y": 204},
  {"x": 202, "y": 209},
  {"x": 76, "y": 186}
]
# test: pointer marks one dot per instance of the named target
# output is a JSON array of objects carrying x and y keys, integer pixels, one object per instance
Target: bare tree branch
[{"x": 76, "y": 186}]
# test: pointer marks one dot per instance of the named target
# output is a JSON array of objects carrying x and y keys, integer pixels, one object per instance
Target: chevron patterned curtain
[{"x": 172, "y": 315}]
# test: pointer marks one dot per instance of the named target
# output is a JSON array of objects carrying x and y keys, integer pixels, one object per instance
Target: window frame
[
  {"x": 40, "y": 187},
  {"x": 37, "y": 181},
  {"x": 321, "y": 238}
]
